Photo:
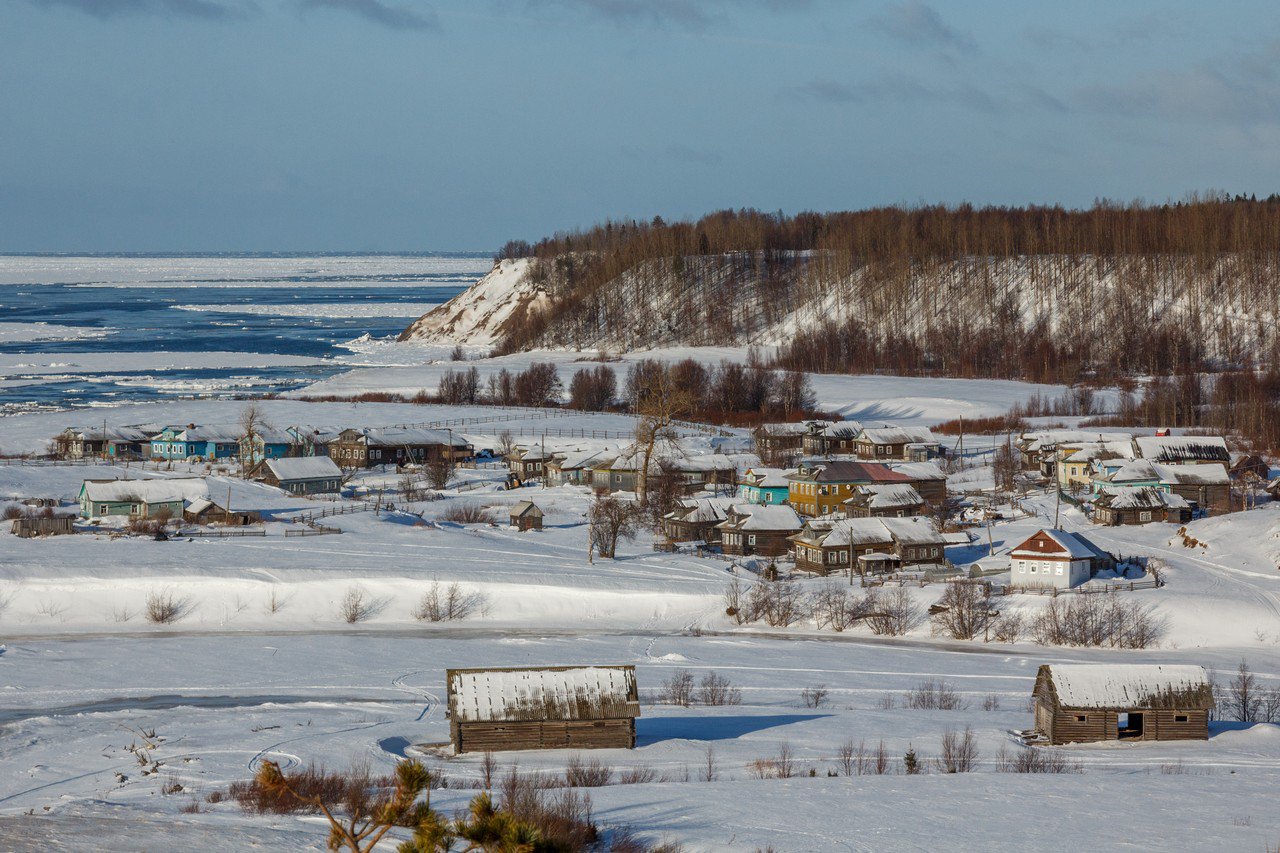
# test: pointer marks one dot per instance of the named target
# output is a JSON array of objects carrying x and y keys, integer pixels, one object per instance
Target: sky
[{"x": 386, "y": 125}]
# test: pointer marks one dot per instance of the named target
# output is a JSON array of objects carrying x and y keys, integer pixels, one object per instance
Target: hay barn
[
  {"x": 566, "y": 707},
  {"x": 1084, "y": 703}
]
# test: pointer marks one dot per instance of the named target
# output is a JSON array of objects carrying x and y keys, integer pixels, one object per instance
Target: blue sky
[{"x": 156, "y": 125}]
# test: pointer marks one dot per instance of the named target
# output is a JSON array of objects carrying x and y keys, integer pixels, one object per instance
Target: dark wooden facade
[
  {"x": 1169, "y": 715},
  {"x": 43, "y": 525},
  {"x": 526, "y": 515},
  {"x": 586, "y": 707}
]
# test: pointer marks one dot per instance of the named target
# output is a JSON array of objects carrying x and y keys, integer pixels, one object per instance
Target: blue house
[
  {"x": 191, "y": 441},
  {"x": 269, "y": 444},
  {"x": 764, "y": 486}
]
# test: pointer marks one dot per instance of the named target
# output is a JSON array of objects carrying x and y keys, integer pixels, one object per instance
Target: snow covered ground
[{"x": 237, "y": 679}]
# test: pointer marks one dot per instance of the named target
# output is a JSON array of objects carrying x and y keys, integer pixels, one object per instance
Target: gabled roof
[
  {"x": 898, "y": 435},
  {"x": 1074, "y": 545},
  {"x": 702, "y": 510},
  {"x": 770, "y": 517},
  {"x": 401, "y": 436},
  {"x": 1182, "y": 448},
  {"x": 1121, "y": 686},
  {"x": 886, "y": 496},
  {"x": 918, "y": 471},
  {"x": 837, "y": 532},
  {"x": 1047, "y": 439},
  {"x": 558, "y": 693},
  {"x": 304, "y": 468},
  {"x": 1146, "y": 497},
  {"x": 767, "y": 478},
  {"x": 526, "y": 508},
  {"x": 843, "y": 471},
  {"x": 1100, "y": 450},
  {"x": 577, "y": 460},
  {"x": 145, "y": 491}
]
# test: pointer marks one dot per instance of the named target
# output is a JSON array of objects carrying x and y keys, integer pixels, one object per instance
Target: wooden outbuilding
[
  {"x": 30, "y": 526},
  {"x": 526, "y": 515},
  {"x": 563, "y": 707},
  {"x": 1086, "y": 703}
]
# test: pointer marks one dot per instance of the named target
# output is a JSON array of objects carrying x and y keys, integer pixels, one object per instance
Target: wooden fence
[
  {"x": 1128, "y": 586},
  {"x": 220, "y": 534}
]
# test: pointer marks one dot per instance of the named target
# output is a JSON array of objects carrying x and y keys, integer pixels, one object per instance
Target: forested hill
[{"x": 1040, "y": 292}]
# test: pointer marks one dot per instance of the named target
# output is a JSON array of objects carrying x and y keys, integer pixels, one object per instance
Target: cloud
[
  {"x": 696, "y": 15},
  {"x": 209, "y": 9},
  {"x": 917, "y": 23},
  {"x": 900, "y": 88},
  {"x": 397, "y": 17},
  {"x": 1198, "y": 94}
]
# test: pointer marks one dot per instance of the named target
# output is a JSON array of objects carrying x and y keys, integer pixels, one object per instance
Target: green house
[{"x": 142, "y": 498}]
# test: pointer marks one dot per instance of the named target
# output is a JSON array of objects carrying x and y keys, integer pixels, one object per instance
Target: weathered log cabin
[
  {"x": 1207, "y": 486},
  {"x": 867, "y": 545},
  {"x": 526, "y": 515},
  {"x": 127, "y": 442},
  {"x": 895, "y": 500},
  {"x": 695, "y": 519},
  {"x": 756, "y": 529},
  {"x": 302, "y": 475},
  {"x": 366, "y": 448},
  {"x": 1139, "y": 506},
  {"x": 564, "y": 707},
  {"x": 910, "y": 444},
  {"x": 1086, "y": 703}
]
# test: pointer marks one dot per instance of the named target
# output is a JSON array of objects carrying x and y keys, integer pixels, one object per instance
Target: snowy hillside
[
  {"x": 737, "y": 299},
  {"x": 481, "y": 315}
]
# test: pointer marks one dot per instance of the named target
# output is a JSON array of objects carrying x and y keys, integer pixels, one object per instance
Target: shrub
[
  {"x": 586, "y": 774},
  {"x": 637, "y": 776},
  {"x": 815, "y": 696},
  {"x": 964, "y": 611},
  {"x": 1097, "y": 620},
  {"x": 466, "y": 513},
  {"x": 991, "y": 702},
  {"x": 715, "y": 689},
  {"x": 13, "y": 512},
  {"x": 452, "y": 604},
  {"x": 933, "y": 696},
  {"x": 356, "y": 606},
  {"x": 678, "y": 689},
  {"x": 1030, "y": 760},
  {"x": 892, "y": 614},
  {"x": 959, "y": 751},
  {"x": 162, "y": 607},
  {"x": 330, "y": 787}
]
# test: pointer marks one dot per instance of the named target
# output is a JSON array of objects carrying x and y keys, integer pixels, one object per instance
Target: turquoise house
[
  {"x": 191, "y": 441},
  {"x": 764, "y": 486},
  {"x": 1115, "y": 474}
]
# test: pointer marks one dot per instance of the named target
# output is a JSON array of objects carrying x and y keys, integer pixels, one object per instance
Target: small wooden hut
[
  {"x": 1085, "y": 703},
  {"x": 526, "y": 516},
  {"x": 565, "y": 707}
]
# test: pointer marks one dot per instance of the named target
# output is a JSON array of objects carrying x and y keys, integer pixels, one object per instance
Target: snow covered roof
[
  {"x": 198, "y": 505},
  {"x": 304, "y": 468},
  {"x": 400, "y": 436},
  {"x": 762, "y": 517},
  {"x": 556, "y": 693},
  {"x": 1100, "y": 450},
  {"x": 767, "y": 478},
  {"x": 116, "y": 433},
  {"x": 1182, "y": 448},
  {"x": 1048, "y": 439},
  {"x": 524, "y": 508},
  {"x": 842, "y": 429},
  {"x": 1171, "y": 686},
  {"x": 836, "y": 532},
  {"x": 702, "y": 510},
  {"x": 841, "y": 471},
  {"x": 886, "y": 496},
  {"x": 1134, "y": 471},
  {"x": 913, "y": 530},
  {"x": 212, "y": 432},
  {"x": 785, "y": 428},
  {"x": 898, "y": 435},
  {"x": 579, "y": 459},
  {"x": 1206, "y": 474},
  {"x": 1146, "y": 497},
  {"x": 918, "y": 470},
  {"x": 1074, "y": 545},
  {"x": 146, "y": 491}
]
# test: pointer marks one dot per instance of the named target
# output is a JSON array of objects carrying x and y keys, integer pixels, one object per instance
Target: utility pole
[
  {"x": 227, "y": 508},
  {"x": 960, "y": 443}
]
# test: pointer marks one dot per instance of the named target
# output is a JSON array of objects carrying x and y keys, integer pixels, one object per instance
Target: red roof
[{"x": 859, "y": 472}]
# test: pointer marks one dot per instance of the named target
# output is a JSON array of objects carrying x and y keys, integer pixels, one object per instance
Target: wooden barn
[
  {"x": 1085, "y": 703},
  {"x": 563, "y": 707},
  {"x": 526, "y": 515}
]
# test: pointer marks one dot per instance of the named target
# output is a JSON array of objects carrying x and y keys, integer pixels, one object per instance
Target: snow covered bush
[
  {"x": 446, "y": 605},
  {"x": 933, "y": 696}
]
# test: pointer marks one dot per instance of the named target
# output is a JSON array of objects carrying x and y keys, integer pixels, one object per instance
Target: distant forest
[{"x": 1189, "y": 291}]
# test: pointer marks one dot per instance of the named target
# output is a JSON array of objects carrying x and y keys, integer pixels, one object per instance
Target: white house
[{"x": 1056, "y": 558}]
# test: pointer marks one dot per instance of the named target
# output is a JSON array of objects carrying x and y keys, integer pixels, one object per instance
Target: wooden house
[
  {"x": 867, "y": 545},
  {"x": 371, "y": 447},
  {"x": 263, "y": 444},
  {"x": 124, "y": 442},
  {"x": 526, "y": 515},
  {"x": 695, "y": 519},
  {"x": 896, "y": 500},
  {"x": 780, "y": 441},
  {"x": 1087, "y": 703},
  {"x": 764, "y": 486},
  {"x": 1207, "y": 486},
  {"x": 1183, "y": 449},
  {"x": 1076, "y": 462},
  {"x": 564, "y": 707},
  {"x": 528, "y": 464},
  {"x": 302, "y": 475},
  {"x": 1040, "y": 449},
  {"x": 925, "y": 477},
  {"x": 30, "y": 526},
  {"x": 910, "y": 444},
  {"x": 1139, "y": 506},
  {"x": 205, "y": 512},
  {"x": 142, "y": 498},
  {"x": 1056, "y": 558},
  {"x": 574, "y": 468},
  {"x": 196, "y": 442},
  {"x": 758, "y": 530},
  {"x": 821, "y": 488},
  {"x": 1251, "y": 468}
]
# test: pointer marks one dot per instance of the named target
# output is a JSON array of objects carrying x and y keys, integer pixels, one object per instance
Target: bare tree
[
  {"x": 611, "y": 520},
  {"x": 658, "y": 403},
  {"x": 252, "y": 422},
  {"x": 959, "y": 751},
  {"x": 439, "y": 472},
  {"x": 964, "y": 611}
]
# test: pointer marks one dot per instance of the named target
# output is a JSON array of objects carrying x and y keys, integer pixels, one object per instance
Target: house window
[
  {"x": 1145, "y": 515},
  {"x": 751, "y": 539},
  {"x": 1033, "y": 568},
  {"x": 1058, "y": 571},
  {"x": 1081, "y": 718},
  {"x": 1180, "y": 718}
]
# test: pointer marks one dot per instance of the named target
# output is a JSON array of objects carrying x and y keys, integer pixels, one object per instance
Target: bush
[
  {"x": 933, "y": 696},
  {"x": 815, "y": 696},
  {"x": 964, "y": 611},
  {"x": 959, "y": 751},
  {"x": 779, "y": 603},
  {"x": 717, "y": 690},
  {"x": 451, "y": 604},
  {"x": 586, "y": 774},
  {"x": 357, "y": 606},
  {"x": 312, "y": 782},
  {"x": 678, "y": 689},
  {"x": 13, "y": 512},
  {"x": 892, "y": 614},
  {"x": 163, "y": 607},
  {"x": 1030, "y": 760},
  {"x": 466, "y": 513},
  {"x": 1097, "y": 620}
]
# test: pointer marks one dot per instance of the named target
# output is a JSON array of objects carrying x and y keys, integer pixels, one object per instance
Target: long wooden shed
[
  {"x": 564, "y": 707},
  {"x": 1084, "y": 703}
]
